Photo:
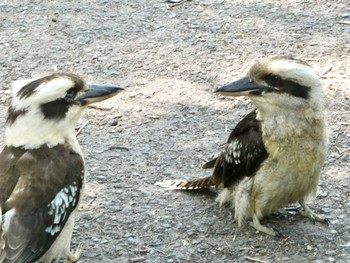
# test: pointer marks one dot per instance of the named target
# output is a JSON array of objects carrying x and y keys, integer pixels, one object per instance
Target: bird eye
[
  {"x": 276, "y": 79},
  {"x": 71, "y": 93}
]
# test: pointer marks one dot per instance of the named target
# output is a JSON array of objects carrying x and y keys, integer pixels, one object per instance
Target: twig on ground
[
  {"x": 139, "y": 250},
  {"x": 341, "y": 154},
  {"x": 174, "y": 3},
  {"x": 255, "y": 259},
  {"x": 119, "y": 148},
  {"x": 161, "y": 252},
  {"x": 82, "y": 127},
  {"x": 100, "y": 108},
  {"x": 339, "y": 102},
  {"x": 138, "y": 259}
]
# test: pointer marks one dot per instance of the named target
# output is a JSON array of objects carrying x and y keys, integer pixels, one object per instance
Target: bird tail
[
  {"x": 209, "y": 164},
  {"x": 202, "y": 183}
]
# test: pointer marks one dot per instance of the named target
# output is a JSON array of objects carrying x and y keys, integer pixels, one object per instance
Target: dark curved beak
[
  {"x": 241, "y": 87},
  {"x": 98, "y": 92}
]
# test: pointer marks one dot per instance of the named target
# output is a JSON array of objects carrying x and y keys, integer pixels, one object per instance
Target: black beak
[
  {"x": 242, "y": 87},
  {"x": 98, "y": 92}
]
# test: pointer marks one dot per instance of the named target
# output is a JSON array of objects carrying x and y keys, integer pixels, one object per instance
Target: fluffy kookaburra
[
  {"x": 274, "y": 155},
  {"x": 42, "y": 167}
]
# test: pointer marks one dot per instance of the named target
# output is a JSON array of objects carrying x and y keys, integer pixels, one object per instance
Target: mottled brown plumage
[
  {"x": 273, "y": 157},
  {"x": 227, "y": 172},
  {"x": 32, "y": 186},
  {"x": 42, "y": 173}
]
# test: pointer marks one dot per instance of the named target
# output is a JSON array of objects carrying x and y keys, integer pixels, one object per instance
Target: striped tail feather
[{"x": 202, "y": 183}]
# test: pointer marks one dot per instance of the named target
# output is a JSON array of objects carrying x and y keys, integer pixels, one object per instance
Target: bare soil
[{"x": 170, "y": 56}]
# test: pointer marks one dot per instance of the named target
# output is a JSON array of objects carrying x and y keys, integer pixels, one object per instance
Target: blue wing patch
[{"x": 60, "y": 206}]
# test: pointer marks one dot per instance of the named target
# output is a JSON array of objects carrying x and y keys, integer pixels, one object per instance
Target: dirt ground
[{"x": 170, "y": 56}]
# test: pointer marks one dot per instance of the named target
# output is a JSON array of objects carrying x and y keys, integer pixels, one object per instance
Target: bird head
[
  {"x": 279, "y": 84},
  {"x": 45, "y": 110}
]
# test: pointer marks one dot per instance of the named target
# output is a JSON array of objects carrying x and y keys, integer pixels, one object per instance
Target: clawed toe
[
  {"x": 327, "y": 221},
  {"x": 74, "y": 257},
  {"x": 307, "y": 212},
  {"x": 256, "y": 224}
]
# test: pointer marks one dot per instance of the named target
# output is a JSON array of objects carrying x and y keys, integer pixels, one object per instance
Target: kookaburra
[
  {"x": 273, "y": 157},
  {"x": 42, "y": 171}
]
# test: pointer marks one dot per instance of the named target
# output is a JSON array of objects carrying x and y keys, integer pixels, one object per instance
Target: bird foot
[
  {"x": 307, "y": 212},
  {"x": 74, "y": 257},
  {"x": 256, "y": 224},
  {"x": 225, "y": 196}
]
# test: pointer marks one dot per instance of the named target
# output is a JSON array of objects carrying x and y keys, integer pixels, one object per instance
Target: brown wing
[
  {"x": 241, "y": 156},
  {"x": 243, "y": 153},
  {"x": 39, "y": 203},
  {"x": 9, "y": 173}
]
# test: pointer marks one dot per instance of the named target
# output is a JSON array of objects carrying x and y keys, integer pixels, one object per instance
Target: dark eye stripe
[
  {"x": 287, "y": 86},
  {"x": 295, "y": 89}
]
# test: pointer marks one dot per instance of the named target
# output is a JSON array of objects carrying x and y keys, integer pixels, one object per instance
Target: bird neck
[
  {"x": 282, "y": 125},
  {"x": 31, "y": 132}
]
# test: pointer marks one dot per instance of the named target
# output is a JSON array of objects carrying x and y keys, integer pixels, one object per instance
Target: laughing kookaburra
[
  {"x": 274, "y": 155},
  {"x": 42, "y": 167}
]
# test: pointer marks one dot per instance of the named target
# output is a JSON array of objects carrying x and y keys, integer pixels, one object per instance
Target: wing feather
[
  {"x": 45, "y": 194},
  {"x": 243, "y": 152}
]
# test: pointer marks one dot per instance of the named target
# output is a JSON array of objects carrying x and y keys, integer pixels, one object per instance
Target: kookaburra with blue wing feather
[
  {"x": 273, "y": 157},
  {"x": 42, "y": 173}
]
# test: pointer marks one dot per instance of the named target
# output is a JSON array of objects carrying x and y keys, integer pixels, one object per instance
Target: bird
[
  {"x": 42, "y": 175},
  {"x": 274, "y": 155}
]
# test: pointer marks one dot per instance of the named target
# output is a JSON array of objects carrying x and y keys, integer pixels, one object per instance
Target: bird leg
[
  {"x": 256, "y": 224},
  {"x": 307, "y": 212},
  {"x": 2, "y": 241},
  {"x": 74, "y": 257},
  {"x": 225, "y": 196}
]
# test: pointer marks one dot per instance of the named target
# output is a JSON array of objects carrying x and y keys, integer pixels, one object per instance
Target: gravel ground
[{"x": 170, "y": 56}]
